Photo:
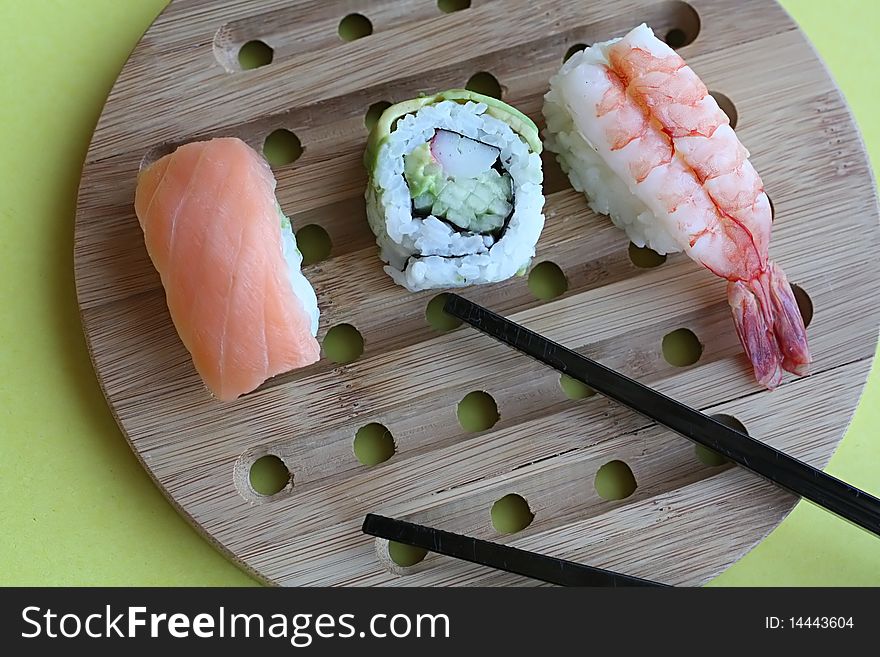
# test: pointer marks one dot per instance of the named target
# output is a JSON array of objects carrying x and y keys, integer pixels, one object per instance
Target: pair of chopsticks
[
  {"x": 795, "y": 476},
  {"x": 791, "y": 474}
]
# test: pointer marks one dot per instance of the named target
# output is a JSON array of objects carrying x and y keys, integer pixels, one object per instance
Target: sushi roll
[
  {"x": 454, "y": 193},
  {"x": 637, "y": 132},
  {"x": 229, "y": 264}
]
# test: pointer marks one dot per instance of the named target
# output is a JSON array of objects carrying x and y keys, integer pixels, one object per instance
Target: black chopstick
[
  {"x": 501, "y": 557},
  {"x": 793, "y": 475}
]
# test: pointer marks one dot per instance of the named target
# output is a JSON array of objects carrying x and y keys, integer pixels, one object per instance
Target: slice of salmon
[{"x": 213, "y": 232}]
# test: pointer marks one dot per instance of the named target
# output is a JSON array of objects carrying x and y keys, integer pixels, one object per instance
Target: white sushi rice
[
  {"x": 606, "y": 192},
  {"x": 424, "y": 253},
  {"x": 300, "y": 284}
]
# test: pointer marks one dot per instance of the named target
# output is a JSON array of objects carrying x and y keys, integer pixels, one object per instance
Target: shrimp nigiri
[{"x": 638, "y": 132}]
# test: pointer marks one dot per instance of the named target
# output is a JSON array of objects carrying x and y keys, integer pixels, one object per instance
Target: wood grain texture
[{"x": 686, "y": 521}]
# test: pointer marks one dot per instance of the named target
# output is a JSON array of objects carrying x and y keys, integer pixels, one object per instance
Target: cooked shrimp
[{"x": 652, "y": 121}]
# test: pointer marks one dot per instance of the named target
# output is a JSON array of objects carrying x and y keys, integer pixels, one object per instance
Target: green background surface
[{"x": 76, "y": 506}]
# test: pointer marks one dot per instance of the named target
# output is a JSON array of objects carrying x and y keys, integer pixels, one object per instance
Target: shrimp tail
[
  {"x": 752, "y": 315},
  {"x": 769, "y": 325},
  {"x": 788, "y": 324}
]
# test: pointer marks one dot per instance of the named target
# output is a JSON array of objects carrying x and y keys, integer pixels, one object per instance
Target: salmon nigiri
[{"x": 228, "y": 261}]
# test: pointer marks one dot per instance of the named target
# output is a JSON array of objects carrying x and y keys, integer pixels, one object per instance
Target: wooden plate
[{"x": 686, "y": 521}]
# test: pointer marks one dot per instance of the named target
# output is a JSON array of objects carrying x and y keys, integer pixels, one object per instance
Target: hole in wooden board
[
  {"x": 354, "y": 26},
  {"x": 681, "y": 348},
  {"x": 255, "y": 54},
  {"x": 804, "y": 303},
  {"x": 575, "y": 389},
  {"x": 373, "y": 444},
  {"x": 449, "y": 6},
  {"x": 615, "y": 481},
  {"x": 314, "y": 243},
  {"x": 374, "y": 113},
  {"x": 676, "y": 38},
  {"x": 343, "y": 344},
  {"x": 710, "y": 457},
  {"x": 484, "y": 83},
  {"x": 437, "y": 317},
  {"x": 555, "y": 179},
  {"x": 547, "y": 281},
  {"x": 511, "y": 514},
  {"x": 726, "y": 106},
  {"x": 282, "y": 147},
  {"x": 730, "y": 421},
  {"x": 685, "y": 26},
  {"x": 269, "y": 475},
  {"x": 576, "y": 48},
  {"x": 405, "y": 555},
  {"x": 645, "y": 258},
  {"x": 477, "y": 411}
]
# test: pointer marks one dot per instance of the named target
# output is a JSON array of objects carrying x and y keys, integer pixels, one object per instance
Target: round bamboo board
[{"x": 686, "y": 520}]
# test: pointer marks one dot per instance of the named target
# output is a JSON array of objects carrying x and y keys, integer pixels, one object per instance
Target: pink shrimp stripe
[{"x": 658, "y": 100}]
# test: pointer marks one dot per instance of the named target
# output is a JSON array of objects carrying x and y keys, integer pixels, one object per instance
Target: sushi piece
[
  {"x": 228, "y": 261},
  {"x": 454, "y": 193},
  {"x": 638, "y": 133}
]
